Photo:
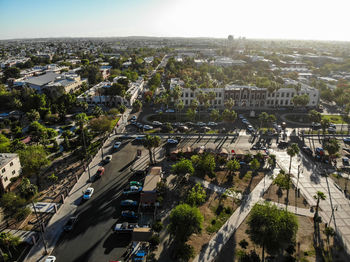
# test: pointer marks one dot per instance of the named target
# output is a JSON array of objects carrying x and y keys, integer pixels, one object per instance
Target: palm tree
[
  {"x": 229, "y": 104},
  {"x": 149, "y": 144},
  {"x": 211, "y": 96},
  {"x": 319, "y": 196},
  {"x": 8, "y": 241},
  {"x": 180, "y": 106},
  {"x": 292, "y": 151},
  {"x": 324, "y": 124},
  {"x": 194, "y": 104},
  {"x": 156, "y": 143}
]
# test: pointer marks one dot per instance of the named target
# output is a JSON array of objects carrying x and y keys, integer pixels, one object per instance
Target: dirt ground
[
  {"x": 208, "y": 211},
  {"x": 243, "y": 181},
  {"x": 272, "y": 195},
  {"x": 305, "y": 250},
  {"x": 341, "y": 181}
]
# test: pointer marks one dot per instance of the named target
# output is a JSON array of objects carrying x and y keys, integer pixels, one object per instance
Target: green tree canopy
[
  {"x": 271, "y": 228},
  {"x": 184, "y": 221},
  {"x": 196, "y": 196},
  {"x": 183, "y": 167},
  {"x": 233, "y": 165},
  {"x": 33, "y": 158}
]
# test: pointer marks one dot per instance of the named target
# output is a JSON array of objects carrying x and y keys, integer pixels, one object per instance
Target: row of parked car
[{"x": 249, "y": 127}]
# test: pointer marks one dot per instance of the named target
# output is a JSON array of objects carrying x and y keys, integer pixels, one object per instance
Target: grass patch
[
  {"x": 335, "y": 119},
  {"x": 212, "y": 132},
  {"x": 222, "y": 214},
  {"x": 151, "y": 131}
]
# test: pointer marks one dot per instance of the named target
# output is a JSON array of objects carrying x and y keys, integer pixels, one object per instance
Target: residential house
[{"x": 10, "y": 167}]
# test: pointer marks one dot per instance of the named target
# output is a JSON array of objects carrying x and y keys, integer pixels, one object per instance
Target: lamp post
[{"x": 86, "y": 152}]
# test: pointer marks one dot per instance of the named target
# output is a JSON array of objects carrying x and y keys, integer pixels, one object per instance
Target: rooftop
[
  {"x": 42, "y": 79},
  {"x": 5, "y": 158}
]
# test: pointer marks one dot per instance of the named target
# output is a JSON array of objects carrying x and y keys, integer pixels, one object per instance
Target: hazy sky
[{"x": 292, "y": 19}]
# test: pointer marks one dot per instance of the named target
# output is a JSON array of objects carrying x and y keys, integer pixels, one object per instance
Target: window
[
  {"x": 263, "y": 97},
  {"x": 219, "y": 102},
  {"x": 268, "y": 102},
  {"x": 5, "y": 179},
  {"x": 11, "y": 164},
  {"x": 13, "y": 172},
  {"x": 292, "y": 94},
  {"x": 191, "y": 94},
  {"x": 271, "y": 102},
  {"x": 314, "y": 95},
  {"x": 3, "y": 170},
  {"x": 286, "y": 102},
  {"x": 268, "y": 95},
  {"x": 219, "y": 94},
  {"x": 287, "y": 95},
  {"x": 273, "y": 94},
  {"x": 186, "y": 102},
  {"x": 186, "y": 94},
  {"x": 278, "y": 95},
  {"x": 282, "y": 94}
]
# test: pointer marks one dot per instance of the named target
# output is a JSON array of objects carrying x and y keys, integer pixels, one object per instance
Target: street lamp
[{"x": 335, "y": 208}]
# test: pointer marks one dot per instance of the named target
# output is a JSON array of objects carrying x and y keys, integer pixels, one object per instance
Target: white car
[
  {"x": 156, "y": 123},
  {"x": 212, "y": 124},
  {"x": 200, "y": 124},
  {"x": 88, "y": 193},
  {"x": 50, "y": 259},
  {"x": 172, "y": 141},
  {"x": 117, "y": 145},
  {"x": 147, "y": 127},
  {"x": 107, "y": 159}
]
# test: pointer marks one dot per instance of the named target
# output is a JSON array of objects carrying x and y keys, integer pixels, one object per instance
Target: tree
[
  {"x": 229, "y": 116},
  {"x": 196, "y": 196},
  {"x": 215, "y": 115},
  {"x": 150, "y": 143},
  {"x": 233, "y": 165},
  {"x": 292, "y": 151},
  {"x": 191, "y": 114},
  {"x": 271, "y": 228},
  {"x": 254, "y": 165},
  {"x": 137, "y": 105},
  {"x": 33, "y": 115},
  {"x": 183, "y": 167},
  {"x": 97, "y": 111},
  {"x": 319, "y": 196},
  {"x": 8, "y": 242},
  {"x": 4, "y": 144},
  {"x": 332, "y": 147},
  {"x": 81, "y": 119},
  {"x": 282, "y": 182},
  {"x": 325, "y": 124},
  {"x": 33, "y": 158},
  {"x": 11, "y": 72},
  {"x": 229, "y": 104},
  {"x": 204, "y": 165},
  {"x": 301, "y": 100},
  {"x": 26, "y": 189},
  {"x": 184, "y": 221},
  {"x": 315, "y": 116},
  {"x": 14, "y": 206},
  {"x": 102, "y": 124},
  {"x": 263, "y": 118}
]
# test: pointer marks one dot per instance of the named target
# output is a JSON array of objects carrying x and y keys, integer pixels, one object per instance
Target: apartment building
[
  {"x": 10, "y": 167},
  {"x": 188, "y": 95},
  {"x": 245, "y": 96}
]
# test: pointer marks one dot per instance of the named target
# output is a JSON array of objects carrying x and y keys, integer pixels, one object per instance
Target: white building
[
  {"x": 10, "y": 167},
  {"x": 188, "y": 95},
  {"x": 176, "y": 82},
  {"x": 227, "y": 61}
]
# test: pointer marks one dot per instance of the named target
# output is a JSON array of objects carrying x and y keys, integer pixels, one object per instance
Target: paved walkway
[
  {"x": 212, "y": 250},
  {"x": 310, "y": 181},
  {"x": 293, "y": 209},
  {"x": 57, "y": 222}
]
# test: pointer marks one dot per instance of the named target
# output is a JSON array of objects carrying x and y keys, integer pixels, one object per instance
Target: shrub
[{"x": 158, "y": 226}]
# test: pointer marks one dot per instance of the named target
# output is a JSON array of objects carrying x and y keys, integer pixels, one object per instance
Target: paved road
[{"x": 92, "y": 238}]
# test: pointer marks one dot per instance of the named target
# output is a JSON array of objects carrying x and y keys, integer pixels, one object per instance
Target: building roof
[
  {"x": 5, "y": 158},
  {"x": 42, "y": 79},
  {"x": 152, "y": 179}
]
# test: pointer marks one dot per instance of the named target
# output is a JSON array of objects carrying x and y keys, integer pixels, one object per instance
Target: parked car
[
  {"x": 129, "y": 214},
  {"x": 172, "y": 141},
  {"x": 319, "y": 151},
  {"x": 157, "y": 123},
  {"x": 98, "y": 174},
  {"x": 117, "y": 145},
  {"x": 147, "y": 127},
  {"x": 70, "y": 223},
  {"x": 200, "y": 124},
  {"x": 212, "y": 124},
  {"x": 107, "y": 159},
  {"x": 315, "y": 126},
  {"x": 250, "y": 128},
  {"x": 128, "y": 203},
  {"x": 307, "y": 150},
  {"x": 135, "y": 183},
  {"x": 140, "y": 138},
  {"x": 345, "y": 161},
  {"x": 159, "y": 111},
  {"x": 282, "y": 144},
  {"x": 240, "y": 116},
  {"x": 170, "y": 110},
  {"x": 332, "y": 126},
  {"x": 126, "y": 136},
  {"x": 346, "y": 140},
  {"x": 133, "y": 118},
  {"x": 50, "y": 259},
  {"x": 331, "y": 130},
  {"x": 132, "y": 190},
  {"x": 88, "y": 193},
  {"x": 125, "y": 227}
]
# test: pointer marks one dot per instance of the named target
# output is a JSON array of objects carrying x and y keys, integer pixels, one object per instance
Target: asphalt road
[{"x": 92, "y": 238}]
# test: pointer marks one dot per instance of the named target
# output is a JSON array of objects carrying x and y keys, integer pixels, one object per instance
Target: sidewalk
[
  {"x": 212, "y": 250},
  {"x": 293, "y": 209},
  {"x": 68, "y": 208}
]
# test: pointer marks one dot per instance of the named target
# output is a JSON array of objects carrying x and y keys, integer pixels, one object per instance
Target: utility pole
[
  {"x": 41, "y": 228},
  {"x": 85, "y": 152}
]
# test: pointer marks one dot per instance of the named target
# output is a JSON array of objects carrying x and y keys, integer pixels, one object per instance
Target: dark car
[
  {"x": 307, "y": 150},
  {"x": 283, "y": 144},
  {"x": 70, "y": 224}
]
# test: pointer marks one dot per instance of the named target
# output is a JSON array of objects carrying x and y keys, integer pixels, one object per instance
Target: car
[
  {"x": 140, "y": 138},
  {"x": 319, "y": 151},
  {"x": 189, "y": 123},
  {"x": 125, "y": 227},
  {"x": 50, "y": 259},
  {"x": 133, "y": 118},
  {"x": 126, "y": 136},
  {"x": 240, "y": 116},
  {"x": 117, "y": 145},
  {"x": 70, "y": 223},
  {"x": 132, "y": 190},
  {"x": 250, "y": 129},
  {"x": 200, "y": 124},
  {"x": 345, "y": 161},
  {"x": 157, "y": 123},
  {"x": 212, "y": 124},
  {"x": 170, "y": 110},
  {"x": 159, "y": 111},
  {"x": 135, "y": 183},
  {"x": 183, "y": 128},
  {"x": 245, "y": 121},
  {"x": 107, "y": 159},
  {"x": 172, "y": 141},
  {"x": 98, "y": 174},
  {"x": 346, "y": 140},
  {"x": 331, "y": 130},
  {"x": 332, "y": 126},
  {"x": 139, "y": 125},
  {"x": 205, "y": 129},
  {"x": 147, "y": 127},
  {"x": 282, "y": 144},
  {"x": 307, "y": 150},
  {"x": 128, "y": 203},
  {"x": 129, "y": 214},
  {"x": 315, "y": 126},
  {"x": 88, "y": 193}
]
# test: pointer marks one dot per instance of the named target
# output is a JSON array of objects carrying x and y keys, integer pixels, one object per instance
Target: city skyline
[{"x": 311, "y": 20}]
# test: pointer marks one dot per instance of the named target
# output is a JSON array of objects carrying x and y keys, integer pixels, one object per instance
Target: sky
[{"x": 267, "y": 19}]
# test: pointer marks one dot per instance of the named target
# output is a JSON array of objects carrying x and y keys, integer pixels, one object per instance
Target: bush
[
  {"x": 243, "y": 243},
  {"x": 154, "y": 240},
  {"x": 158, "y": 226},
  {"x": 184, "y": 252},
  {"x": 22, "y": 213}
]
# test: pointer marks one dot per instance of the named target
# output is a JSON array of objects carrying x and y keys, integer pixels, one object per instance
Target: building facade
[{"x": 10, "y": 167}]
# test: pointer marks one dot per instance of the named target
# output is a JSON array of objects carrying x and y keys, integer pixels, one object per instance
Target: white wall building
[
  {"x": 10, "y": 167},
  {"x": 188, "y": 95}
]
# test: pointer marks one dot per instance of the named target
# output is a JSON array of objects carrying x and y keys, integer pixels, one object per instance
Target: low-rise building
[
  {"x": 105, "y": 71},
  {"x": 10, "y": 167},
  {"x": 149, "y": 190}
]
